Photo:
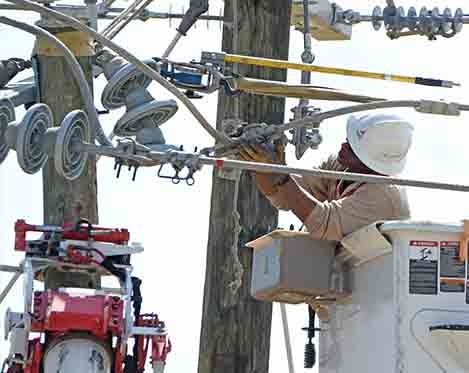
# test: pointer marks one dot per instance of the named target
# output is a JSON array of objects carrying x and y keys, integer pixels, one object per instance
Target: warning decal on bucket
[
  {"x": 450, "y": 265},
  {"x": 452, "y": 285},
  {"x": 423, "y": 267},
  {"x": 467, "y": 292}
]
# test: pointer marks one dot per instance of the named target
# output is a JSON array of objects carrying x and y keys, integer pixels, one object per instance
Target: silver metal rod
[
  {"x": 92, "y": 13},
  {"x": 306, "y": 57},
  {"x": 374, "y": 179},
  {"x": 121, "y": 16},
  {"x": 10, "y": 284},
  {"x": 157, "y": 15},
  {"x": 136, "y": 14},
  {"x": 286, "y": 335},
  {"x": 151, "y": 158},
  {"x": 113, "y": 13},
  {"x": 171, "y": 46}
]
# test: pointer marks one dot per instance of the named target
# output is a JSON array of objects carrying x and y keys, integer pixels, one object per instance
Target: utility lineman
[{"x": 330, "y": 209}]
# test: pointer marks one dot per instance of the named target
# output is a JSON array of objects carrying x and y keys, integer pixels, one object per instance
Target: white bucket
[{"x": 408, "y": 309}]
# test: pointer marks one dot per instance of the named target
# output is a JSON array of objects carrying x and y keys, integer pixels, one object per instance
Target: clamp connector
[{"x": 438, "y": 107}]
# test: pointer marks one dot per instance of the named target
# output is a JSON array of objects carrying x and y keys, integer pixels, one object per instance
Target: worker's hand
[{"x": 259, "y": 154}]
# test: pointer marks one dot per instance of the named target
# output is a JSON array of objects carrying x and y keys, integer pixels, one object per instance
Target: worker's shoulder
[
  {"x": 386, "y": 197},
  {"x": 383, "y": 191},
  {"x": 386, "y": 188}
]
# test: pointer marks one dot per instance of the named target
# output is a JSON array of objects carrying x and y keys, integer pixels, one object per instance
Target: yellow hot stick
[{"x": 280, "y": 64}]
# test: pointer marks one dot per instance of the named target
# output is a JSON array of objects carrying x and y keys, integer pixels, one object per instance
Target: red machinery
[{"x": 60, "y": 331}]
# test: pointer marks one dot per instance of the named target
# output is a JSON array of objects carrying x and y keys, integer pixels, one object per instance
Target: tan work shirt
[{"x": 338, "y": 212}]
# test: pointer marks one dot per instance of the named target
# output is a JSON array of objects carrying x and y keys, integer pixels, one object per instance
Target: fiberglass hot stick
[
  {"x": 280, "y": 64},
  {"x": 196, "y": 8},
  {"x": 129, "y": 57}
]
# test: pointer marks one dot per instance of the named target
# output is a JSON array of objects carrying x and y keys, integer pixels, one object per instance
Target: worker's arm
[
  {"x": 312, "y": 189},
  {"x": 332, "y": 220},
  {"x": 296, "y": 199},
  {"x": 285, "y": 193},
  {"x": 267, "y": 183},
  {"x": 316, "y": 187}
]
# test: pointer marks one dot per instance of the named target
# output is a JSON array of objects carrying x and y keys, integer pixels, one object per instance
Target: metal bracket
[
  {"x": 107, "y": 249},
  {"x": 176, "y": 178},
  {"x": 215, "y": 58},
  {"x": 304, "y": 138},
  {"x": 143, "y": 330},
  {"x": 191, "y": 75}
]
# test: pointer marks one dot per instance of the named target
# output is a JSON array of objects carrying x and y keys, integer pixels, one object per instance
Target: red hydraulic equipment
[{"x": 81, "y": 328}]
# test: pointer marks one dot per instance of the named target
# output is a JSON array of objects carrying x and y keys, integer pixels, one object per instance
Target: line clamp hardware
[{"x": 196, "y": 76}]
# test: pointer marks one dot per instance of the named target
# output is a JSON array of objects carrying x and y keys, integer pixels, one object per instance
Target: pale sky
[{"x": 172, "y": 221}]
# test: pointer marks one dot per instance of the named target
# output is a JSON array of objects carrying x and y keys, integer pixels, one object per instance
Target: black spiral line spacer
[
  {"x": 310, "y": 349},
  {"x": 310, "y": 355}
]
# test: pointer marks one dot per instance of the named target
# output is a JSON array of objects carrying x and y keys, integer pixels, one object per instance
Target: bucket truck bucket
[{"x": 290, "y": 267}]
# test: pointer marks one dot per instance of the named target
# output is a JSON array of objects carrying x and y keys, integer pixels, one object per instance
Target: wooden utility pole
[
  {"x": 235, "y": 335},
  {"x": 65, "y": 201}
]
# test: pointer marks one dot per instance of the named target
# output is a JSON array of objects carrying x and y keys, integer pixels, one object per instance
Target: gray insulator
[
  {"x": 29, "y": 151},
  {"x": 376, "y": 18},
  {"x": 26, "y": 137},
  {"x": 74, "y": 130},
  {"x": 143, "y": 111},
  {"x": 150, "y": 136},
  {"x": 447, "y": 24},
  {"x": 424, "y": 25},
  {"x": 429, "y": 23},
  {"x": 388, "y": 17},
  {"x": 7, "y": 115},
  {"x": 110, "y": 63},
  {"x": 122, "y": 78},
  {"x": 435, "y": 20},
  {"x": 400, "y": 20},
  {"x": 458, "y": 22},
  {"x": 412, "y": 18}
]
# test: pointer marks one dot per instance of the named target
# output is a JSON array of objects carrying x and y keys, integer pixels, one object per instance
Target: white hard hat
[{"x": 380, "y": 141}]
